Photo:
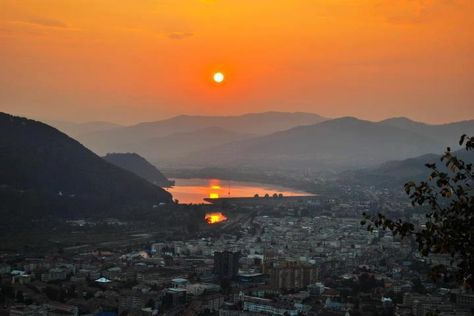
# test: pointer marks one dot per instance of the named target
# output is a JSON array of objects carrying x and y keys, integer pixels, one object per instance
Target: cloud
[
  {"x": 47, "y": 22},
  {"x": 179, "y": 35}
]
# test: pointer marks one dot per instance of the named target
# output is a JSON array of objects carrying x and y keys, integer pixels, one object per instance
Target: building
[
  {"x": 131, "y": 303},
  {"x": 55, "y": 274},
  {"x": 291, "y": 274},
  {"x": 316, "y": 289},
  {"x": 58, "y": 309},
  {"x": 213, "y": 302},
  {"x": 28, "y": 310},
  {"x": 174, "y": 297},
  {"x": 226, "y": 264},
  {"x": 251, "y": 278},
  {"x": 5, "y": 268},
  {"x": 465, "y": 299},
  {"x": 179, "y": 283},
  {"x": 267, "y": 306}
]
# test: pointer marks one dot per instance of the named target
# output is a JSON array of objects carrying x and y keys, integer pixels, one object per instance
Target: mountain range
[
  {"x": 185, "y": 133},
  {"x": 166, "y": 148},
  {"x": 338, "y": 144},
  {"x": 276, "y": 141}
]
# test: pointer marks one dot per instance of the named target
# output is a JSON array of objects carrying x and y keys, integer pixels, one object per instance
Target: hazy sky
[{"x": 132, "y": 60}]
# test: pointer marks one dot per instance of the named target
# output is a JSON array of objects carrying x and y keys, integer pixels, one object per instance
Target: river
[{"x": 195, "y": 190}]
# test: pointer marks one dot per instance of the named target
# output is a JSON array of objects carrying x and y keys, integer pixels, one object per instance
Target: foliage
[{"x": 449, "y": 227}]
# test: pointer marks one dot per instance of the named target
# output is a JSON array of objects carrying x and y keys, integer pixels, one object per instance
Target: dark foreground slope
[
  {"x": 139, "y": 166},
  {"x": 43, "y": 172}
]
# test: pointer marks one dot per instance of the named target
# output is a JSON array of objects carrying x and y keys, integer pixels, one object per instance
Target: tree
[{"x": 449, "y": 228}]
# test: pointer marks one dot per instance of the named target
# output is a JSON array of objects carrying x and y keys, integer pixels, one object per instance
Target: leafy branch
[{"x": 449, "y": 226}]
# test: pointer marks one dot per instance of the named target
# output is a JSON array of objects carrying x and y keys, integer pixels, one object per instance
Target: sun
[{"x": 218, "y": 77}]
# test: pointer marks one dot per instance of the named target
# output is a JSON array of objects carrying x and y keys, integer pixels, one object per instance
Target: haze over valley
[{"x": 274, "y": 141}]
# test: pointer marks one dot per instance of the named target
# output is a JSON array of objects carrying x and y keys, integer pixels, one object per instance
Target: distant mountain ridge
[
  {"x": 255, "y": 123},
  {"x": 43, "y": 172},
  {"x": 139, "y": 166},
  {"x": 166, "y": 148},
  {"x": 125, "y": 139},
  {"x": 277, "y": 140},
  {"x": 337, "y": 144},
  {"x": 446, "y": 134},
  {"x": 76, "y": 129}
]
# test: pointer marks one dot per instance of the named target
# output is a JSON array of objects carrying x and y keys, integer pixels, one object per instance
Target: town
[{"x": 308, "y": 256}]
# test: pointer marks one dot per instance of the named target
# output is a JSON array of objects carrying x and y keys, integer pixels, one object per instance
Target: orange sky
[{"x": 132, "y": 60}]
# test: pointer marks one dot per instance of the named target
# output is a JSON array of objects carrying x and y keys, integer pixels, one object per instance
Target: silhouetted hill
[
  {"x": 139, "y": 166},
  {"x": 331, "y": 145},
  {"x": 398, "y": 172},
  {"x": 128, "y": 138},
  {"x": 44, "y": 172}
]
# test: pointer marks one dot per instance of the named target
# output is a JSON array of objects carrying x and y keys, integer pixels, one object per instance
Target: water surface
[{"x": 195, "y": 190}]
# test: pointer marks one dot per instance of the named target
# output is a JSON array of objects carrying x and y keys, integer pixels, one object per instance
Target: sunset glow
[
  {"x": 213, "y": 218},
  {"x": 128, "y": 60}
]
